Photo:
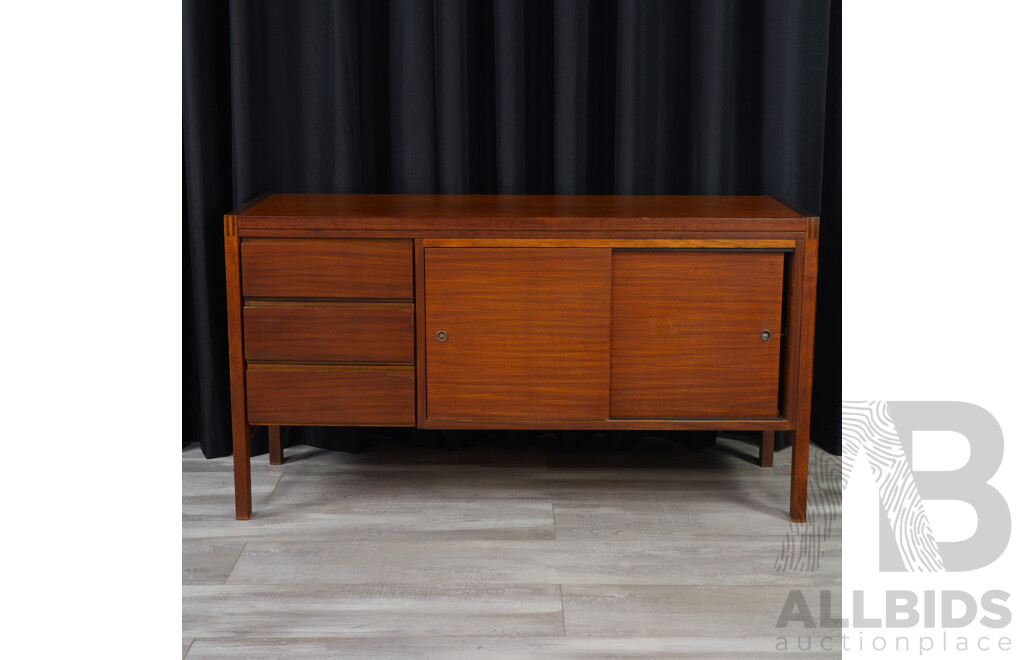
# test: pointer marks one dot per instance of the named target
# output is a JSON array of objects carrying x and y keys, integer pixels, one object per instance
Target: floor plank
[
  {"x": 208, "y": 562},
  {"x": 660, "y": 521},
  {"x": 657, "y": 551},
  {"x": 373, "y": 609},
  {"x": 460, "y": 648},
  {"x": 711, "y": 562},
  {"x": 397, "y": 518},
  {"x": 748, "y": 611}
]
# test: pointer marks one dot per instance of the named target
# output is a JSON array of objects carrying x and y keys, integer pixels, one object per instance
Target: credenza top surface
[{"x": 609, "y": 212}]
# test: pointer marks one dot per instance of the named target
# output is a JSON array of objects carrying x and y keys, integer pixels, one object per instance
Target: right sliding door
[{"x": 695, "y": 334}]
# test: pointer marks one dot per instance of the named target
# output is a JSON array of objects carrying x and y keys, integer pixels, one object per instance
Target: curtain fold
[{"x": 475, "y": 96}]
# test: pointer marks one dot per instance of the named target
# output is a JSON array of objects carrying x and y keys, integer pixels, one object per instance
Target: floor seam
[
  {"x": 276, "y": 484},
  {"x": 228, "y": 576},
  {"x": 561, "y": 599}
]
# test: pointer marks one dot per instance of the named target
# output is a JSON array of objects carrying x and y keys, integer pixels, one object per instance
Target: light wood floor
[{"x": 398, "y": 552}]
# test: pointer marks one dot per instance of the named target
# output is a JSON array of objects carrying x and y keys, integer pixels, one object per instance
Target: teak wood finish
[
  {"x": 324, "y": 268},
  {"x": 572, "y": 312},
  {"x": 687, "y": 334},
  {"x": 526, "y": 333},
  {"x": 329, "y": 332},
  {"x": 314, "y": 395}
]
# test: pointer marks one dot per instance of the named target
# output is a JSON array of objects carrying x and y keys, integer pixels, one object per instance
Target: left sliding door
[{"x": 517, "y": 333}]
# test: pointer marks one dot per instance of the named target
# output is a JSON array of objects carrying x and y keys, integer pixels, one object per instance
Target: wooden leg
[
  {"x": 767, "y": 453},
  {"x": 802, "y": 435},
  {"x": 236, "y": 363},
  {"x": 798, "y": 475},
  {"x": 243, "y": 480},
  {"x": 276, "y": 452}
]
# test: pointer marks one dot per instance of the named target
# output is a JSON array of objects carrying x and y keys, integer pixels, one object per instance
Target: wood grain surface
[
  {"x": 543, "y": 332},
  {"x": 417, "y": 213},
  {"x": 686, "y": 334},
  {"x": 313, "y": 395},
  {"x": 527, "y": 333},
  {"x": 520, "y": 206},
  {"x": 330, "y": 333},
  {"x": 801, "y": 436},
  {"x": 327, "y": 268},
  {"x": 240, "y": 431}
]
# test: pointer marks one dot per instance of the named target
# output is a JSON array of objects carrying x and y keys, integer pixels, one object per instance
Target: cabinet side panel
[
  {"x": 686, "y": 335},
  {"x": 526, "y": 333}
]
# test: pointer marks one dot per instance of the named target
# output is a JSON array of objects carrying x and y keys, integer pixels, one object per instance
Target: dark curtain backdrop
[{"x": 477, "y": 96}]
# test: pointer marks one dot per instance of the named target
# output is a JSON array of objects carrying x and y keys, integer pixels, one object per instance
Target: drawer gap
[
  {"x": 352, "y": 303},
  {"x": 325, "y": 366}
]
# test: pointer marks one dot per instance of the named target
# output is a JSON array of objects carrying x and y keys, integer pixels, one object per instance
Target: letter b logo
[{"x": 882, "y": 431}]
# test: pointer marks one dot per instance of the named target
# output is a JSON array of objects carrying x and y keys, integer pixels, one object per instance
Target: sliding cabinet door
[
  {"x": 695, "y": 334},
  {"x": 517, "y": 333}
]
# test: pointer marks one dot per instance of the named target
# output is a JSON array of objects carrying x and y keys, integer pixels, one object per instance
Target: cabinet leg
[
  {"x": 767, "y": 454},
  {"x": 276, "y": 452},
  {"x": 798, "y": 476},
  {"x": 802, "y": 435},
  {"x": 243, "y": 480}
]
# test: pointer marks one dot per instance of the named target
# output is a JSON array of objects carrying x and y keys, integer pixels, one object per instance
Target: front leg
[
  {"x": 802, "y": 435},
  {"x": 243, "y": 480},
  {"x": 798, "y": 475}
]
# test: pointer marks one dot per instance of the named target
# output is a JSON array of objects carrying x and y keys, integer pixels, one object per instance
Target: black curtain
[{"x": 475, "y": 96}]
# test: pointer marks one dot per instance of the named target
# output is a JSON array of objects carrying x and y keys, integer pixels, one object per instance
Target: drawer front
[
  {"x": 331, "y": 396},
  {"x": 327, "y": 268},
  {"x": 329, "y": 333}
]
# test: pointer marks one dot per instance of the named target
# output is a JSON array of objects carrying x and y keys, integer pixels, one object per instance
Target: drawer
[
  {"x": 347, "y": 396},
  {"x": 329, "y": 332},
  {"x": 327, "y": 268}
]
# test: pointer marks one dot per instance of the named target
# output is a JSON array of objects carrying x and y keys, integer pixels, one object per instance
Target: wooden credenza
[{"x": 521, "y": 312}]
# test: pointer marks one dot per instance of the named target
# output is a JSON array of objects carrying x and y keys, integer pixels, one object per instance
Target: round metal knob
[
  {"x": 766, "y": 335},
  {"x": 441, "y": 335}
]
